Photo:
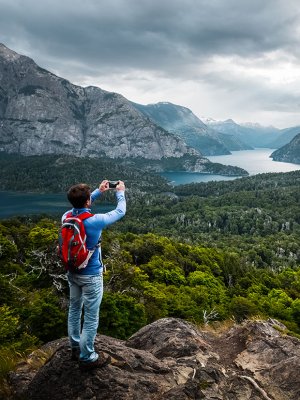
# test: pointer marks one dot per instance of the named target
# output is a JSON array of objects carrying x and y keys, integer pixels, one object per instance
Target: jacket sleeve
[
  {"x": 95, "y": 195},
  {"x": 114, "y": 215}
]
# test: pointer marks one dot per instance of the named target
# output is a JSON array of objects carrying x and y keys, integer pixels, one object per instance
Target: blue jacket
[{"x": 94, "y": 226}]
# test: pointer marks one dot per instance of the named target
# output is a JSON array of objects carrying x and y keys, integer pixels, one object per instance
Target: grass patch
[{"x": 9, "y": 358}]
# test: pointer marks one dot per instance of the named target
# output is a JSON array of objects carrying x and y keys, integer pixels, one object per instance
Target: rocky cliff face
[
  {"x": 42, "y": 113},
  {"x": 289, "y": 153},
  {"x": 172, "y": 360}
]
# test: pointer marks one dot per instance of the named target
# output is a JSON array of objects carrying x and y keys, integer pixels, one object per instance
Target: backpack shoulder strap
[
  {"x": 81, "y": 217},
  {"x": 68, "y": 215},
  {"x": 84, "y": 215}
]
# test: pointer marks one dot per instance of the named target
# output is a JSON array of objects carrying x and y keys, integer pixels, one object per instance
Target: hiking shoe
[
  {"x": 75, "y": 353},
  {"x": 101, "y": 361}
]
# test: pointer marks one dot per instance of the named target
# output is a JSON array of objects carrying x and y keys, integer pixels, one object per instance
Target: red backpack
[{"x": 72, "y": 248}]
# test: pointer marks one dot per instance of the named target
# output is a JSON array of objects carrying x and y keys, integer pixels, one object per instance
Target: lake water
[
  {"x": 254, "y": 161},
  {"x": 16, "y": 203}
]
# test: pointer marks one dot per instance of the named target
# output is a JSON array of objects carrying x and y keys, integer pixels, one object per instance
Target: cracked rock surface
[{"x": 171, "y": 359}]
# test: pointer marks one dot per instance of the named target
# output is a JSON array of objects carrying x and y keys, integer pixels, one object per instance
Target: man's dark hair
[{"x": 79, "y": 194}]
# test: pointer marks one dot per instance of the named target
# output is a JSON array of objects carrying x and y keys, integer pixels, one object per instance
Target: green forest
[
  {"x": 56, "y": 173},
  {"x": 207, "y": 253}
]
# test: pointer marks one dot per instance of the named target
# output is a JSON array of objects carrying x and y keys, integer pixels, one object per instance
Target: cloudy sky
[{"x": 223, "y": 59}]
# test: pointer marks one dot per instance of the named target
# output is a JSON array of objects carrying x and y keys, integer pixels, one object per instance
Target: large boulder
[{"x": 173, "y": 360}]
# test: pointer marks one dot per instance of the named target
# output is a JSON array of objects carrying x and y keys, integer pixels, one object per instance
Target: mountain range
[
  {"x": 182, "y": 122},
  {"x": 286, "y": 135},
  {"x": 41, "y": 113},
  {"x": 254, "y": 135},
  {"x": 211, "y": 137}
]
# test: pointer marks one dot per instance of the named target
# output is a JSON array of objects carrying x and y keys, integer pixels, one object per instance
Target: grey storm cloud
[
  {"x": 230, "y": 56},
  {"x": 158, "y": 35}
]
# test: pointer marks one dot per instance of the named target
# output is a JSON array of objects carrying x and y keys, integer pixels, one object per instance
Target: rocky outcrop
[
  {"x": 173, "y": 360},
  {"x": 288, "y": 153}
]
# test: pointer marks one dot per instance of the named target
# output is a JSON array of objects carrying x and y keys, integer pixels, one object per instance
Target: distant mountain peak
[
  {"x": 8, "y": 54},
  {"x": 164, "y": 102},
  {"x": 2, "y": 46},
  {"x": 208, "y": 120},
  {"x": 256, "y": 125},
  {"x": 170, "y": 105},
  {"x": 212, "y": 121}
]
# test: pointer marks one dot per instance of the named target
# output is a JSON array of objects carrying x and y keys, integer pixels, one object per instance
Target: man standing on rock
[{"x": 86, "y": 285}]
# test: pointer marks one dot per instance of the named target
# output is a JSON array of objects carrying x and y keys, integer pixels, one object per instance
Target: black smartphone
[{"x": 112, "y": 184}]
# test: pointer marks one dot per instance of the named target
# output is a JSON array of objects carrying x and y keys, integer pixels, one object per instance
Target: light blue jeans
[{"x": 86, "y": 293}]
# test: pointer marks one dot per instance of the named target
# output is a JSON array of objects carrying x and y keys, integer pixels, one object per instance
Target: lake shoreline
[
  {"x": 256, "y": 161},
  {"x": 20, "y": 203}
]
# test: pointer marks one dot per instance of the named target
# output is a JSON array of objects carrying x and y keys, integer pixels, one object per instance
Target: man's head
[{"x": 79, "y": 194}]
